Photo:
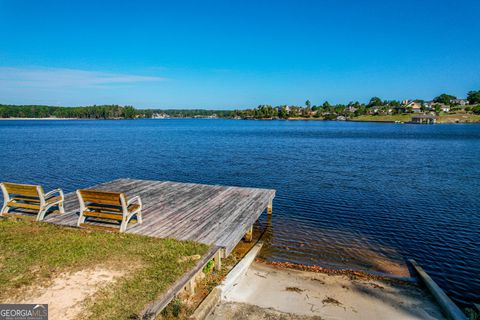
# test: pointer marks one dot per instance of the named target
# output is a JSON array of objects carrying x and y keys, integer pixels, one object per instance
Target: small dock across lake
[{"x": 209, "y": 214}]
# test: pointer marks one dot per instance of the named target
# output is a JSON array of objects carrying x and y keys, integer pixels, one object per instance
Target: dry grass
[
  {"x": 384, "y": 118},
  {"x": 460, "y": 117}
]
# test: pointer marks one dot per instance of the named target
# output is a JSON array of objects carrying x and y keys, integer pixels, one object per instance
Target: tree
[
  {"x": 360, "y": 111},
  {"x": 444, "y": 98},
  {"x": 308, "y": 103},
  {"x": 129, "y": 112},
  {"x": 375, "y": 101},
  {"x": 473, "y": 97},
  {"x": 339, "y": 108},
  {"x": 283, "y": 113},
  {"x": 354, "y": 104},
  {"x": 394, "y": 103},
  {"x": 330, "y": 116}
]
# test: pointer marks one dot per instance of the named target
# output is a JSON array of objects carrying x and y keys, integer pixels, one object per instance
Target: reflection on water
[{"x": 349, "y": 195}]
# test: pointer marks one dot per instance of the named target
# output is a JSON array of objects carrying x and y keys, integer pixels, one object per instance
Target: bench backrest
[
  {"x": 102, "y": 198},
  {"x": 26, "y": 190}
]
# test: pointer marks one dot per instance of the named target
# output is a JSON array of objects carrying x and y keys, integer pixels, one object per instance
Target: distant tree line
[
  {"x": 325, "y": 111},
  {"x": 89, "y": 112},
  {"x": 102, "y": 112}
]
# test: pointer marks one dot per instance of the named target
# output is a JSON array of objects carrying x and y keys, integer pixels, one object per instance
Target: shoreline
[
  {"x": 289, "y": 119},
  {"x": 351, "y": 273},
  {"x": 33, "y": 119},
  {"x": 395, "y": 122}
]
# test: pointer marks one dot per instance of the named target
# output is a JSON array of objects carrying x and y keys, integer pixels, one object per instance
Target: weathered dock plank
[{"x": 210, "y": 214}]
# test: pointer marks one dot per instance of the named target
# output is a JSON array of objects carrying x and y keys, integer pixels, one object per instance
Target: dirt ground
[
  {"x": 266, "y": 292},
  {"x": 65, "y": 296}
]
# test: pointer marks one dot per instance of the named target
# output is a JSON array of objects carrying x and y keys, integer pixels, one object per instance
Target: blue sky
[{"x": 235, "y": 54}]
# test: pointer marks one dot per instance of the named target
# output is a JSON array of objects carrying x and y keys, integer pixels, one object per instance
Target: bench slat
[
  {"x": 104, "y": 208},
  {"x": 23, "y": 205},
  {"x": 111, "y": 209},
  {"x": 21, "y": 189},
  {"x": 101, "y": 197},
  {"x": 103, "y": 215},
  {"x": 27, "y": 199}
]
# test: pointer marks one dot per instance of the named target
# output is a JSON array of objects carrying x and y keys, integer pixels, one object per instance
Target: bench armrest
[
  {"x": 51, "y": 193},
  {"x": 135, "y": 199}
]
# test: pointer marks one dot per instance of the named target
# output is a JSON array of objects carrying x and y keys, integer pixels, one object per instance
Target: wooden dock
[{"x": 213, "y": 215}]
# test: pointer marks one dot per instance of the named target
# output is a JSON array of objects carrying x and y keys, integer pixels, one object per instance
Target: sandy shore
[
  {"x": 266, "y": 292},
  {"x": 67, "y": 293}
]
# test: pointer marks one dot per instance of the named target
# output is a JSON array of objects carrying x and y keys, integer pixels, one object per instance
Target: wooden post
[
  {"x": 249, "y": 235},
  {"x": 269, "y": 207},
  {"x": 191, "y": 287},
  {"x": 218, "y": 260}
]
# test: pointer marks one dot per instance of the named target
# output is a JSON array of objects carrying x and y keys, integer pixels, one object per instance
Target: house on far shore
[
  {"x": 429, "y": 105},
  {"x": 460, "y": 102},
  {"x": 415, "y": 105},
  {"x": 424, "y": 119},
  {"x": 374, "y": 109},
  {"x": 160, "y": 116},
  {"x": 444, "y": 107},
  {"x": 351, "y": 109}
]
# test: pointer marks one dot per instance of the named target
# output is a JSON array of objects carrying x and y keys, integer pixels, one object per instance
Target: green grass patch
[
  {"x": 33, "y": 254},
  {"x": 460, "y": 117},
  {"x": 209, "y": 266}
]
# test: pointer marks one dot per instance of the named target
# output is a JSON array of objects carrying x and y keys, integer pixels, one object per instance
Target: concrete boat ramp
[
  {"x": 256, "y": 291},
  {"x": 265, "y": 292}
]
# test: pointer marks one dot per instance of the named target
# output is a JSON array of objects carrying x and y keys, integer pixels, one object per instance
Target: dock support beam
[
  {"x": 192, "y": 284},
  {"x": 269, "y": 207},
  {"x": 218, "y": 260},
  {"x": 249, "y": 235}
]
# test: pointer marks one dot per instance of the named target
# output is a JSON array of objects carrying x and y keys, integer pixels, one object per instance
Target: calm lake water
[{"x": 349, "y": 195}]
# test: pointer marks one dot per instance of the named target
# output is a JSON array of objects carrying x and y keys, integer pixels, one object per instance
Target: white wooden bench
[
  {"x": 31, "y": 199},
  {"x": 108, "y": 210}
]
